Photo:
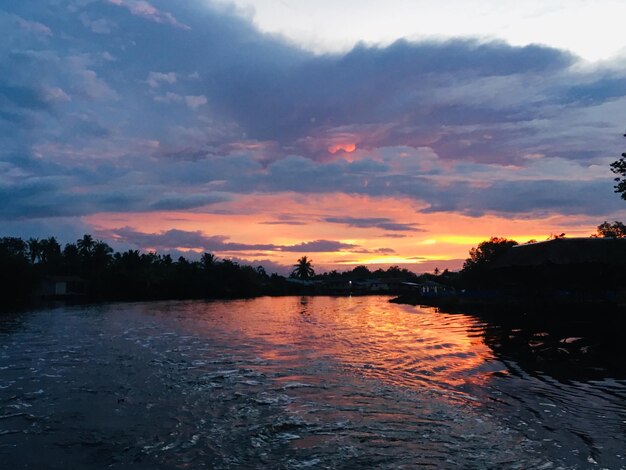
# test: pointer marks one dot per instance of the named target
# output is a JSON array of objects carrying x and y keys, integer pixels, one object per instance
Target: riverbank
[{"x": 516, "y": 306}]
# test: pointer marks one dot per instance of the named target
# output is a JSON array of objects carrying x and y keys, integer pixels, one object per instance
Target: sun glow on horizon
[
  {"x": 338, "y": 231},
  {"x": 344, "y": 147}
]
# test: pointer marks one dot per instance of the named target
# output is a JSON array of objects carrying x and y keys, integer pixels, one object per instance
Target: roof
[{"x": 564, "y": 251}]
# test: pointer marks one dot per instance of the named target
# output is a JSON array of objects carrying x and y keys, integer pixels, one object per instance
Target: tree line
[
  {"x": 132, "y": 275},
  {"x": 127, "y": 275}
]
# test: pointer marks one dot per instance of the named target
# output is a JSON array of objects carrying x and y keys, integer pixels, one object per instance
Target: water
[{"x": 304, "y": 383}]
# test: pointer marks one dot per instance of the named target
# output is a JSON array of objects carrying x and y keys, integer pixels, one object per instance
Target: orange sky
[{"x": 290, "y": 219}]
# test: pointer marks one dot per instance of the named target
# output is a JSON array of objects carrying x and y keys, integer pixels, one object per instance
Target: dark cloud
[
  {"x": 376, "y": 222},
  {"x": 283, "y": 222},
  {"x": 377, "y": 251},
  {"x": 175, "y": 238},
  {"x": 318, "y": 246},
  {"x": 21, "y": 97},
  {"x": 188, "y": 201},
  {"x": 394, "y": 235}
]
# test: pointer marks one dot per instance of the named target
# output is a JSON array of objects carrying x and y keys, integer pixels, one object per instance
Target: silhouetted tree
[
  {"x": 34, "y": 250},
  {"x": 101, "y": 254},
  {"x": 208, "y": 260},
  {"x": 361, "y": 272},
  {"x": 611, "y": 230},
  {"x": 303, "y": 269},
  {"x": 554, "y": 236},
  {"x": 619, "y": 168},
  {"x": 85, "y": 245},
  {"x": 50, "y": 253},
  {"x": 17, "y": 277},
  {"x": 13, "y": 246},
  {"x": 128, "y": 275},
  {"x": 486, "y": 253},
  {"x": 71, "y": 259}
]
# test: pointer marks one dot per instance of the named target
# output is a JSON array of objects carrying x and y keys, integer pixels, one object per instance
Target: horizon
[{"x": 264, "y": 134}]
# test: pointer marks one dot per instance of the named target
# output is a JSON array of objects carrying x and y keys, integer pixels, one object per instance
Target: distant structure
[
  {"x": 62, "y": 287},
  {"x": 575, "y": 268},
  {"x": 565, "y": 252}
]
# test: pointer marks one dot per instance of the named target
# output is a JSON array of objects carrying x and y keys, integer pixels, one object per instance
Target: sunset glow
[
  {"x": 406, "y": 152},
  {"x": 347, "y": 148}
]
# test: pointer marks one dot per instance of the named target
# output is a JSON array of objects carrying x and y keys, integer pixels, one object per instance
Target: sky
[{"x": 396, "y": 133}]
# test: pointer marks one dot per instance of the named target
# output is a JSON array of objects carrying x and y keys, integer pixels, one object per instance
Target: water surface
[{"x": 299, "y": 382}]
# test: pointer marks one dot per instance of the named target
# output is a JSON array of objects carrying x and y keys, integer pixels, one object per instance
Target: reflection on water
[{"x": 304, "y": 383}]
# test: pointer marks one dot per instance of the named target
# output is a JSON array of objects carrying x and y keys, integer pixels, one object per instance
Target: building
[{"x": 62, "y": 287}]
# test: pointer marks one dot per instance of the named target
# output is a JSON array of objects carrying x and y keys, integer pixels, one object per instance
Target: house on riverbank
[
  {"x": 576, "y": 266},
  {"x": 544, "y": 276},
  {"x": 565, "y": 252},
  {"x": 62, "y": 287}
]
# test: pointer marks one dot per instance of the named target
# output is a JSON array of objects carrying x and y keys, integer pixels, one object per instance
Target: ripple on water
[{"x": 280, "y": 383}]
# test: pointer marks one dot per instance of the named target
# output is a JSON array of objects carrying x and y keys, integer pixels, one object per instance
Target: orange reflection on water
[{"x": 365, "y": 336}]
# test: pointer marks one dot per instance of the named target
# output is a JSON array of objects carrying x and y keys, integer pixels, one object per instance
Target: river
[{"x": 304, "y": 382}]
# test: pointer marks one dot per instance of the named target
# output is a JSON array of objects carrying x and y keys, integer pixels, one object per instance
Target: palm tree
[
  {"x": 208, "y": 260},
  {"x": 50, "y": 250},
  {"x": 86, "y": 245},
  {"x": 304, "y": 268},
  {"x": 101, "y": 253}
]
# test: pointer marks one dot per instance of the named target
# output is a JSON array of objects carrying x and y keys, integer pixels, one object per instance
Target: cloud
[
  {"x": 383, "y": 223},
  {"x": 169, "y": 98},
  {"x": 178, "y": 239},
  {"x": 34, "y": 27},
  {"x": 148, "y": 11},
  {"x": 155, "y": 79},
  {"x": 188, "y": 201},
  {"x": 194, "y": 102},
  {"x": 448, "y": 125},
  {"x": 318, "y": 246},
  {"x": 22, "y": 97}
]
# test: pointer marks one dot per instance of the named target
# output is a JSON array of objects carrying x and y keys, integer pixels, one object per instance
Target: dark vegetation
[
  {"x": 500, "y": 274},
  {"x": 489, "y": 259},
  {"x": 97, "y": 273},
  {"x": 102, "y": 273}
]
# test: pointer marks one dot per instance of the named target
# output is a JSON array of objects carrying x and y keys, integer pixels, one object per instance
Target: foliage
[
  {"x": 114, "y": 275},
  {"x": 619, "y": 168},
  {"x": 556, "y": 236},
  {"x": 17, "y": 278},
  {"x": 303, "y": 269},
  {"x": 486, "y": 253},
  {"x": 611, "y": 230}
]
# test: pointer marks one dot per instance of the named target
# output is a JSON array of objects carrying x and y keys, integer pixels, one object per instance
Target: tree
[
  {"x": 34, "y": 249},
  {"x": 611, "y": 230},
  {"x": 13, "y": 246},
  {"x": 619, "y": 168},
  {"x": 486, "y": 253},
  {"x": 304, "y": 268},
  {"x": 71, "y": 258},
  {"x": 50, "y": 251},
  {"x": 101, "y": 254},
  {"x": 85, "y": 245},
  {"x": 554, "y": 236},
  {"x": 208, "y": 260},
  {"x": 361, "y": 272}
]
